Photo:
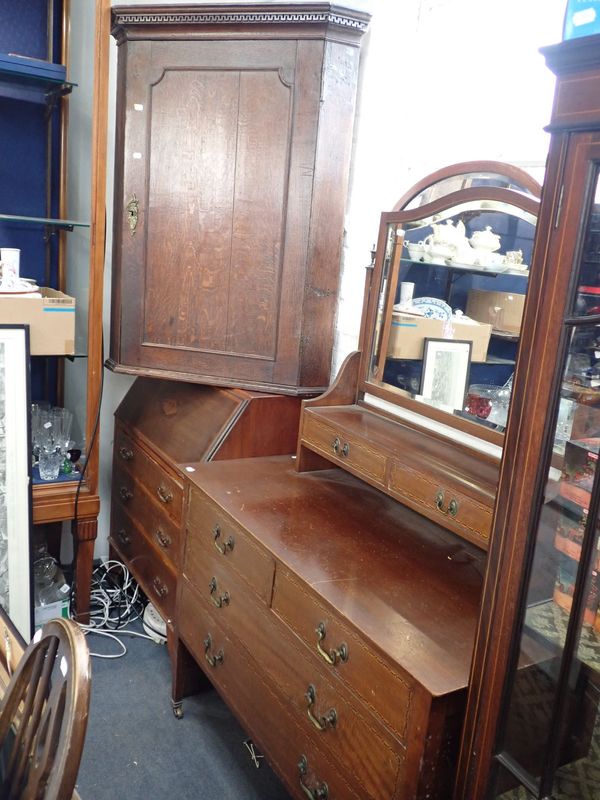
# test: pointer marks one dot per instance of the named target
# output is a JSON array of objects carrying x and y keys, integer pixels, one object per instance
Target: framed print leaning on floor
[
  {"x": 15, "y": 478},
  {"x": 446, "y": 364}
]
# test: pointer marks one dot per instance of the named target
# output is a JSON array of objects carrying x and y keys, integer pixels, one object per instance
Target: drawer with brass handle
[
  {"x": 263, "y": 712},
  {"x": 132, "y": 462},
  {"x": 147, "y": 564},
  {"x": 349, "y": 450},
  {"x": 154, "y": 521},
  {"x": 381, "y": 685},
  {"x": 216, "y": 542},
  {"x": 354, "y": 736},
  {"x": 443, "y": 502}
]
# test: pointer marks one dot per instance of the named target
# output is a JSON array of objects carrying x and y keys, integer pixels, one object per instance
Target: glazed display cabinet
[
  {"x": 533, "y": 722},
  {"x": 52, "y": 210}
]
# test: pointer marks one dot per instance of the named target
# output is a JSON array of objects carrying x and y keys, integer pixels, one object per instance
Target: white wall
[{"x": 442, "y": 81}]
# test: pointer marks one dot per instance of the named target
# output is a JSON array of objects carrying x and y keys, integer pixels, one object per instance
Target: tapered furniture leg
[{"x": 84, "y": 538}]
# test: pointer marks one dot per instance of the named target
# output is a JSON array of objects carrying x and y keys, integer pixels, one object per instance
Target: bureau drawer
[
  {"x": 158, "y": 528},
  {"x": 348, "y": 450},
  {"x": 443, "y": 502},
  {"x": 262, "y": 713},
  {"x": 381, "y": 686},
  {"x": 130, "y": 460},
  {"x": 212, "y": 533},
  {"x": 148, "y": 566}
]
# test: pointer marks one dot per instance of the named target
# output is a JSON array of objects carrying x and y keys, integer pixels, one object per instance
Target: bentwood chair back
[{"x": 43, "y": 715}]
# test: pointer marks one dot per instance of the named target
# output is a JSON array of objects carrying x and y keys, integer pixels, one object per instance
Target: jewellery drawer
[
  {"x": 149, "y": 568},
  {"x": 211, "y": 532},
  {"x": 303, "y": 765},
  {"x": 379, "y": 683},
  {"x": 338, "y": 721},
  {"x": 164, "y": 490},
  {"x": 350, "y": 451},
  {"x": 157, "y": 527},
  {"x": 442, "y": 502}
]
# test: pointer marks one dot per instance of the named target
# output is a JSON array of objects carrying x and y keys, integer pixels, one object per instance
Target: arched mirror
[{"x": 447, "y": 296}]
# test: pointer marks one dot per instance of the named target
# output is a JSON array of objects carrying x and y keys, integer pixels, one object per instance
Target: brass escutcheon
[{"x": 132, "y": 209}]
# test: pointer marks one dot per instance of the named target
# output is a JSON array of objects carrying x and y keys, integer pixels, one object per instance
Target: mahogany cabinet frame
[{"x": 575, "y": 128}]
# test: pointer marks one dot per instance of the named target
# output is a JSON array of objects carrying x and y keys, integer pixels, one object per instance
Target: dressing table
[{"x": 332, "y": 596}]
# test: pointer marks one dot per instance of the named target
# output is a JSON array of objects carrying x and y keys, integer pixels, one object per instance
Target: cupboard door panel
[{"x": 230, "y": 161}]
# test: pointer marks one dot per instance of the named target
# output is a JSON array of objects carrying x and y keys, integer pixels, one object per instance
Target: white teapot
[
  {"x": 447, "y": 234},
  {"x": 485, "y": 240}
]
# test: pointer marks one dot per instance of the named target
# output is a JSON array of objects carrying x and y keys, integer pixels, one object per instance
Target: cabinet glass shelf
[
  {"x": 472, "y": 270},
  {"x": 65, "y": 224}
]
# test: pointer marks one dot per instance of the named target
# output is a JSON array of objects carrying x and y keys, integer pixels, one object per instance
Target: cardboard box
[
  {"x": 51, "y": 320},
  {"x": 43, "y": 614},
  {"x": 408, "y": 334},
  {"x": 582, "y": 18},
  {"x": 502, "y": 310}
]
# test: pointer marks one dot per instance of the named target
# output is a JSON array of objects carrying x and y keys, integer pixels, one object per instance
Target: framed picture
[
  {"x": 445, "y": 376},
  {"x": 15, "y": 478}
]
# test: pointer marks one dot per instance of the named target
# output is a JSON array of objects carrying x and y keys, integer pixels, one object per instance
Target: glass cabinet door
[{"x": 549, "y": 745}]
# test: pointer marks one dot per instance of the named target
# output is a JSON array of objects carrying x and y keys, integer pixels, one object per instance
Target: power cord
[{"x": 115, "y": 601}]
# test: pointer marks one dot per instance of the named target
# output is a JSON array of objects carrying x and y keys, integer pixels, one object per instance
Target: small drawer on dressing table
[
  {"x": 442, "y": 501},
  {"x": 349, "y": 450}
]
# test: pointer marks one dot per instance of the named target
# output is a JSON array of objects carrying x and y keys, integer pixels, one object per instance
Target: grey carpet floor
[{"x": 135, "y": 747}]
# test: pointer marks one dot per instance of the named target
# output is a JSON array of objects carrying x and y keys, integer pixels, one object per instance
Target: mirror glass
[{"x": 451, "y": 285}]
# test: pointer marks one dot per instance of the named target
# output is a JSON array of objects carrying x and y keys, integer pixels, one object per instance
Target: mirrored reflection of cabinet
[
  {"x": 448, "y": 293},
  {"x": 234, "y": 132},
  {"x": 533, "y": 718}
]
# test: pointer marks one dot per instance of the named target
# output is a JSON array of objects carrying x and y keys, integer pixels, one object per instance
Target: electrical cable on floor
[{"x": 115, "y": 602}]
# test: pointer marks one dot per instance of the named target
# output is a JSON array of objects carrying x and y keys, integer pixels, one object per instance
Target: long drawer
[
  {"x": 381, "y": 686},
  {"x": 149, "y": 567},
  {"x": 301, "y": 763},
  {"x": 211, "y": 532},
  {"x": 342, "y": 725},
  {"x": 132, "y": 464}
]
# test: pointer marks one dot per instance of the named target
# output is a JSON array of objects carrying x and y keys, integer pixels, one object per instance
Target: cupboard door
[{"x": 232, "y": 161}]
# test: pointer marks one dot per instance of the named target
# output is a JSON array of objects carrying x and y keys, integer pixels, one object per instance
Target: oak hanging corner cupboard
[{"x": 234, "y": 133}]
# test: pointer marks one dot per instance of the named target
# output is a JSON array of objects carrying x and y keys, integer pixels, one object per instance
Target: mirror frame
[{"x": 524, "y": 199}]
